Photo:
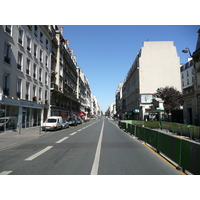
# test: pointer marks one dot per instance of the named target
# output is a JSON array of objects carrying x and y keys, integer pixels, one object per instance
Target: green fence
[
  {"x": 183, "y": 152},
  {"x": 193, "y": 132}
]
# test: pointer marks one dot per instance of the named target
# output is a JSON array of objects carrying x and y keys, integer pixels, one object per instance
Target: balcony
[{"x": 54, "y": 86}]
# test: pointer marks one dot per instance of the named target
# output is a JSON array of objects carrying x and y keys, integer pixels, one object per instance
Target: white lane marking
[
  {"x": 5, "y": 172},
  {"x": 39, "y": 153},
  {"x": 59, "y": 141},
  {"x": 95, "y": 165},
  {"x": 79, "y": 130},
  {"x": 73, "y": 133}
]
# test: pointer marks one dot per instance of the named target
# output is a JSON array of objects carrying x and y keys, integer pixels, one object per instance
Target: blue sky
[{"x": 106, "y": 52}]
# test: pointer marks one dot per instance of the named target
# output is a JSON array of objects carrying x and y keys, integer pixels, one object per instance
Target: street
[{"x": 97, "y": 147}]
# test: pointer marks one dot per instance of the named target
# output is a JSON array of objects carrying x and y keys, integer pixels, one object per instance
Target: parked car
[
  {"x": 79, "y": 121},
  {"x": 65, "y": 124},
  {"x": 72, "y": 121},
  {"x": 52, "y": 123},
  {"x": 8, "y": 122}
]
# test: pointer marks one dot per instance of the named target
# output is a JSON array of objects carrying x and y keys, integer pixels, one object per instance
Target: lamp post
[{"x": 186, "y": 50}]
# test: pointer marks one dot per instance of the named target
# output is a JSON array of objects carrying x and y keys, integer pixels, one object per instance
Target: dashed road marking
[
  {"x": 5, "y": 172},
  {"x": 73, "y": 133},
  {"x": 38, "y": 153},
  {"x": 59, "y": 141}
]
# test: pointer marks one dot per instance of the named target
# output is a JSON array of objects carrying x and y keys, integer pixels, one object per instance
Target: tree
[{"x": 172, "y": 98}]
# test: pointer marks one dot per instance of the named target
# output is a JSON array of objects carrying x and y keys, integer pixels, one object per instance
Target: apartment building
[
  {"x": 196, "y": 58},
  {"x": 81, "y": 92},
  {"x": 64, "y": 78},
  {"x": 39, "y": 77},
  {"x": 111, "y": 111},
  {"x": 188, "y": 89},
  {"x": 118, "y": 100},
  {"x": 156, "y": 65},
  {"x": 24, "y": 74}
]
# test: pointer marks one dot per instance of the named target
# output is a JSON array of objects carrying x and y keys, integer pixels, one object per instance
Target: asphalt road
[{"x": 94, "y": 148}]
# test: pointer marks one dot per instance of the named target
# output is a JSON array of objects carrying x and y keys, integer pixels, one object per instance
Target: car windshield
[
  {"x": 3, "y": 120},
  {"x": 51, "y": 120},
  {"x": 64, "y": 121}
]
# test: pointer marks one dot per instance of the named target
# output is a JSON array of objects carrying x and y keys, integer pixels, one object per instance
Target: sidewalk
[{"x": 12, "y": 137}]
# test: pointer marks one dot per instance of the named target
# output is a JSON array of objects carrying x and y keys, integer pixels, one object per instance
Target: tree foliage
[{"x": 172, "y": 98}]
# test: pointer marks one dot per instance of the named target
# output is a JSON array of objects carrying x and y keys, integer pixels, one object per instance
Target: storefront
[
  {"x": 18, "y": 113},
  {"x": 65, "y": 114}
]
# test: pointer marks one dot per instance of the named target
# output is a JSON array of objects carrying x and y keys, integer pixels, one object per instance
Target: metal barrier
[{"x": 183, "y": 152}]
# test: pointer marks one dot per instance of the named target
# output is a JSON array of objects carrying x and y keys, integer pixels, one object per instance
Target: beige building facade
[{"x": 156, "y": 65}]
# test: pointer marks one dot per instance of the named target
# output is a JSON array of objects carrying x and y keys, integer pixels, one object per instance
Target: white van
[{"x": 52, "y": 123}]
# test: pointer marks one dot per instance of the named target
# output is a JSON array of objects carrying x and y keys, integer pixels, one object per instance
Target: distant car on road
[
  {"x": 72, "y": 121},
  {"x": 65, "y": 124},
  {"x": 79, "y": 121}
]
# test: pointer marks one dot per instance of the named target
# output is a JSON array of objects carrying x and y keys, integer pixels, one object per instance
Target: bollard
[{"x": 20, "y": 127}]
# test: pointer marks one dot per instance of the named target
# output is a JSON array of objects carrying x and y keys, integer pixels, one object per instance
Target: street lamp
[{"x": 186, "y": 50}]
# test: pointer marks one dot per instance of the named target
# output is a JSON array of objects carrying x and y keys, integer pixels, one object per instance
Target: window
[
  {"x": 19, "y": 83},
  {"x": 28, "y": 66},
  {"x": 46, "y": 97},
  {"x": 6, "y": 84},
  {"x": 35, "y": 50},
  {"x": 20, "y": 38},
  {"x": 35, "y": 31},
  {"x": 61, "y": 57},
  {"x": 8, "y": 29},
  {"x": 30, "y": 27},
  {"x": 7, "y": 53},
  {"x": 28, "y": 44},
  {"x": 40, "y": 74},
  {"x": 41, "y": 37},
  {"x": 35, "y": 71},
  {"x": 46, "y": 61},
  {"x": 34, "y": 93},
  {"x": 46, "y": 78},
  {"x": 61, "y": 70},
  {"x": 27, "y": 90},
  {"x": 19, "y": 64},
  {"x": 47, "y": 44},
  {"x": 41, "y": 56},
  {"x": 40, "y": 93}
]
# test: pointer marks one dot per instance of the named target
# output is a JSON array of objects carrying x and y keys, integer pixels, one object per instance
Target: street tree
[{"x": 173, "y": 99}]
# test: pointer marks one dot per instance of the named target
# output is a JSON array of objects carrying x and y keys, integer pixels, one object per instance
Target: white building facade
[{"x": 24, "y": 74}]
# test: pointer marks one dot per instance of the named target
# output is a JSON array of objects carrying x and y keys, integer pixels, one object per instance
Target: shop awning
[{"x": 82, "y": 114}]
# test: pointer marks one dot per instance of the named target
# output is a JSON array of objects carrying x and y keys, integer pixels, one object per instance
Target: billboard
[{"x": 146, "y": 98}]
